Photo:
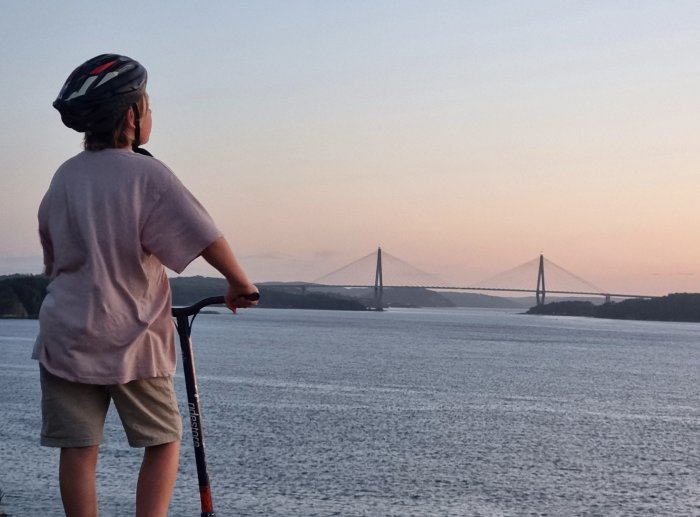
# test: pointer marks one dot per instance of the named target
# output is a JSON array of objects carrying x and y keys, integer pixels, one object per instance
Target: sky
[{"x": 464, "y": 137}]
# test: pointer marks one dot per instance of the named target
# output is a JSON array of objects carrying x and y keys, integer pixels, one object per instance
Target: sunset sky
[{"x": 464, "y": 137}]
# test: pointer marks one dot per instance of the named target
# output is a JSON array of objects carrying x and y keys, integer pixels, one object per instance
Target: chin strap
[
  {"x": 137, "y": 133},
  {"x": 140, "y": 150},
  {"x": 137, "y": 127}
]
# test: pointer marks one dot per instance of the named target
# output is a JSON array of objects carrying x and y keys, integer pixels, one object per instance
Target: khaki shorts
[{"x": 73, "y": 414}]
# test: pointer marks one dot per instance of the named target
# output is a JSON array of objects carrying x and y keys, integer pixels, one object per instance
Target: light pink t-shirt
[{"x": 109, "y": 222}]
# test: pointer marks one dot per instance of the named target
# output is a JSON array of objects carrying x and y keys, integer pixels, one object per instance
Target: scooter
[{"x": 184, "y": 317}]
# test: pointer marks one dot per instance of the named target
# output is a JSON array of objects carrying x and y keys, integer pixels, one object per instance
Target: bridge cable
[
  {"x": 319, "y": 279},
  {"x": 585, "y": 282}
]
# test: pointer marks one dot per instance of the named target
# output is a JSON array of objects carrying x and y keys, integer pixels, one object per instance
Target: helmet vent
[
  {"x": 107, "y": 77},
  {"x": 102, "y": 67},
  {"x": 83, "y": 89}
]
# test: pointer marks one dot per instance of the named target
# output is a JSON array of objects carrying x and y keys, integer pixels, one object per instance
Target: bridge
[{"x": 412, "y": 277}]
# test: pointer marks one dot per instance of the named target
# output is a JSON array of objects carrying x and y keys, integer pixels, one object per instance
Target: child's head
[{"x": 106, "y": 99}]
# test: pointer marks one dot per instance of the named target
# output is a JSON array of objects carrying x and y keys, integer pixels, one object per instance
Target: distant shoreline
[
  {"x": 676, "y": 307},
  {"x": 21, "y": 297}
]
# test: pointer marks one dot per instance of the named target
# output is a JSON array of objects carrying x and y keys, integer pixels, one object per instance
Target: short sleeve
[{"x": 178, "y": 228}]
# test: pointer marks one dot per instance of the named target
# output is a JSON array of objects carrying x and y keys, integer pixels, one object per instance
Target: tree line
[
  {"x": 672, "y": 307},
  {"x": 21, "y": 295}
]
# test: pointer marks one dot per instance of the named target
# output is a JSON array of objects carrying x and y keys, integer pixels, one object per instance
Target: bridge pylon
[
  {"x": 379, "y": 283},
  {"x": 540, "y": 292}
]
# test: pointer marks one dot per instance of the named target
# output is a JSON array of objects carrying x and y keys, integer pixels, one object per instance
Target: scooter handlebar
[{"x": 213, "y": 300}]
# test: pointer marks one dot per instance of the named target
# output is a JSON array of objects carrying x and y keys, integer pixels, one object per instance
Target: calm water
[{"x": 405, "y": 413}]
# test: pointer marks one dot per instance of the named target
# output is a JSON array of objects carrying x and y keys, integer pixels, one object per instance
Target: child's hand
[{"x": 240, "y": 297}]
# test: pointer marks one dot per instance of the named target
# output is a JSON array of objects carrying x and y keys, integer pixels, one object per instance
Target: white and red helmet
[{"x": 96, "y": 95}]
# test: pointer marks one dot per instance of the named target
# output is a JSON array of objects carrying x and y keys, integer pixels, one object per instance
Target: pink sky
[{"x": 465, "y": 138}]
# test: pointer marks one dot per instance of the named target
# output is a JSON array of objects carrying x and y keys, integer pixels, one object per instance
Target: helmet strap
[{"x": 137, "y": 127}]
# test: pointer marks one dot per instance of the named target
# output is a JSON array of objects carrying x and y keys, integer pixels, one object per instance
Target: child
[{"x": 112, "y": 218}]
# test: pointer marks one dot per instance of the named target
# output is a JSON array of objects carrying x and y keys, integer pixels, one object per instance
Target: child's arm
[{"x": 219, "y": 255}]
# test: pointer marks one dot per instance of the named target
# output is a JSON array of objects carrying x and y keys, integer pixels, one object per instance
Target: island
[{"x": 682, "y": 307}]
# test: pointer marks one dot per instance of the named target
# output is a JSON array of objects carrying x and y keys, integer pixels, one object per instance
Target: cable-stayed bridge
[{"x": 538, "y": 276}]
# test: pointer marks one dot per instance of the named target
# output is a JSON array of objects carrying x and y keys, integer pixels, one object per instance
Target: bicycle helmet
[{"x": 97, "y": 94}]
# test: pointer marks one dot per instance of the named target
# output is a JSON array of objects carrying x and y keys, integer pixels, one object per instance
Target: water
[{"x": 405, "y": 413}]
